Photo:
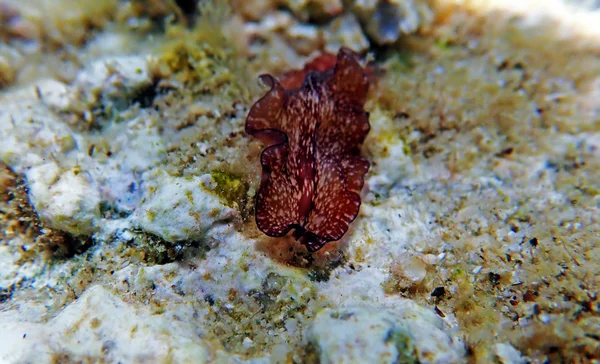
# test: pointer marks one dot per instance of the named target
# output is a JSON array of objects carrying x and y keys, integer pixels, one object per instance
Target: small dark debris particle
[
  {"x": 346, "y": 316},
  {"x": 508, "y": 257},
  {"x": 24, "y": 336},
  {"x": 91, "y": 150},
  {"x": 319, "y": 275},
  {"x": 209, "y": 299},
  {"x": 131, "y": 187},
  {"x": 533, "y": 242},
  {"x": 514, "y": 228},
  {"x": 502, "y": 66},
  {"x": 494, "y": 278},
  {"x": 513, "y": 302},
  {"x": 552, "y": 166},
  {"x": 145, "y": 98},
  {"x": 402, "y": 115},
  {"x": 439, "y": 312},
  {"x": 438, "y": 292},
  {"x": 530, "y": 295},
  {"x": 506, "y": 152},
  {"x": 108, "y": 346}
]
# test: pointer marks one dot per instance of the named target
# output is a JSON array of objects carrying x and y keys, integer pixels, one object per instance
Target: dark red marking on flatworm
[{"x": 312, "y": 168}]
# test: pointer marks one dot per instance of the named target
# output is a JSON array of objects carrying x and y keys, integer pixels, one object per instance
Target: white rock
[
  {"x": 345, "y": 31},
  {"x": 412, "y": 267},
  {"x": 177, "y": 208},
  {"x": 247, "y": 343},
  {"x": 403, "y": 333},
  {"x": 305, "y": 8},
  {"x": 29, "y": 131},
  {"x": 304, "y": 38},
  {"x": 100, "y": 325},
  {"x": 508, "y": 354},
  {"x": 352, "y": 287},
  {"x": 391, "y": 230},
  {"x": 116, "y": 76},
  {"x": 54, "y": 93},
  {"x": 386, "y": 20},
  {"x": 64, "y": 199},
  {"x": 12, "y": 268},
  {"x": 392, "y": 162}
]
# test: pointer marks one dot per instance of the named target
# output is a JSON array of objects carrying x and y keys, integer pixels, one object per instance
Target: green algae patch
[
  {"x": 203, "y": 59},
  {"x": 198, "y": 65},
  {"x": 154, "y": 250},
  {"x": 404, "y": 344},
  {"x": 233, "y": 190}
]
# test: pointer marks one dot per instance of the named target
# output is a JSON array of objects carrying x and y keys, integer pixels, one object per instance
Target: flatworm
[{"x": 312, "y": 168}]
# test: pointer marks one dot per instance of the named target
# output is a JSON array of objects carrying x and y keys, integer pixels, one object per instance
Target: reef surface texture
[{"x": 128, "y": 184}]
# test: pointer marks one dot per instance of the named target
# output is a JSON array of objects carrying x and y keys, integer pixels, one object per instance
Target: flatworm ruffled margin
[{"x": 312, "y": 168}]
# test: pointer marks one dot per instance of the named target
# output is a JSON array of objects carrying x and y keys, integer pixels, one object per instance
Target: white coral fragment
[
  {"x": 65, "y": 200},
  {"x": 101, "y": 327},
  {"x": 386, "y": 20},
  {"x": 405, "y": 333},
  {"x": 177, "y": 209}
]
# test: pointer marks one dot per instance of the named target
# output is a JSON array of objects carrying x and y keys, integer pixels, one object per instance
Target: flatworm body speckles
[{"x": 312, "y": 168}]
